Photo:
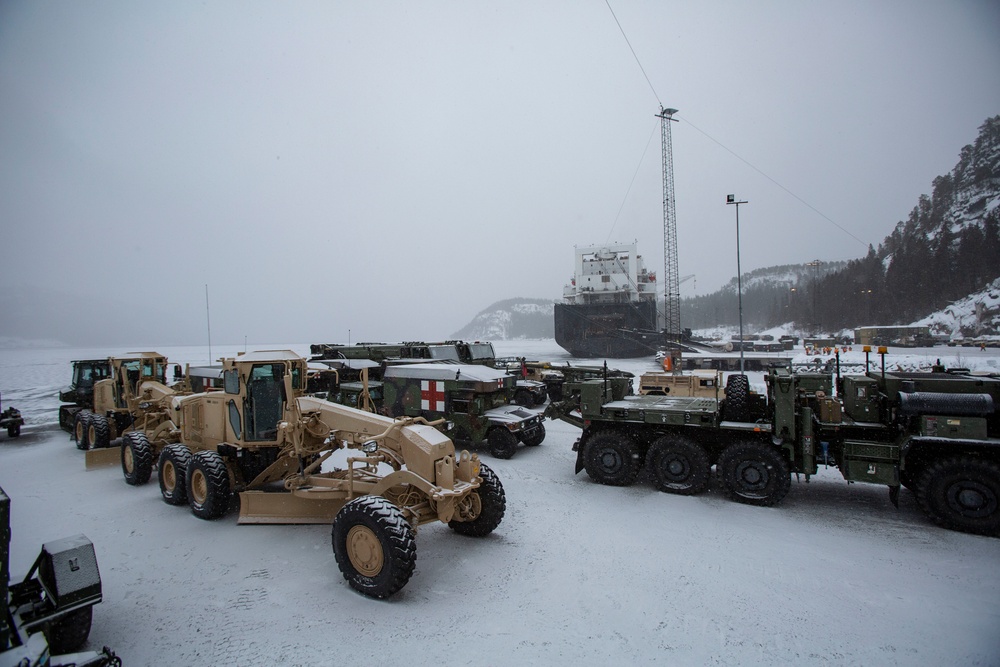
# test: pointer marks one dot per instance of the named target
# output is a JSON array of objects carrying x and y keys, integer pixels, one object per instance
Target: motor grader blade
[
  {"x": 287, "y": 507},
  {"x": 103, "y": 457}
]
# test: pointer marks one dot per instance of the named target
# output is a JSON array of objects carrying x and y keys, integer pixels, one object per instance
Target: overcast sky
[{"x": 391, "y": 168}]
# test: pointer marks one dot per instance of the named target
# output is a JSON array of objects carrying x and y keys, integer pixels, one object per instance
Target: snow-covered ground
[{"x": 577, "y": 573}]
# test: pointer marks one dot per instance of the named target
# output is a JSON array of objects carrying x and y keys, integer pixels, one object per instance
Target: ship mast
[{"x": 671, "y": 283}]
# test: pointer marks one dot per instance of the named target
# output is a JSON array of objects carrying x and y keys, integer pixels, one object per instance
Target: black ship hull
[{"x": 613, "y": 330}]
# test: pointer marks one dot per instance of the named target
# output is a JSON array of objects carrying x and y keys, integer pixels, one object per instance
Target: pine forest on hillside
[{"x": 948, "y": 248}]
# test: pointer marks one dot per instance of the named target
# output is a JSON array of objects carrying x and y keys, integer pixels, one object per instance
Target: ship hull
[{"x": 616, "y": 331}]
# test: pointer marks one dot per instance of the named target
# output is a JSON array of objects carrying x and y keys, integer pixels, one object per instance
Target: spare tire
[{"x": 736, "y": 407}]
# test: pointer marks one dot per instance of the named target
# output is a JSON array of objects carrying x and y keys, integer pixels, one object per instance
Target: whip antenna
[{"x": 208, "y": 319}]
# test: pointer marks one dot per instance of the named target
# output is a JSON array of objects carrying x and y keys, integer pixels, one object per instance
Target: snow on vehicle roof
[
  {"x": 269, "y": 355},
  {"x": 139, "y": 355},
  {"x": 468, "y": 372},
  {"x": 356, "y": 364}
]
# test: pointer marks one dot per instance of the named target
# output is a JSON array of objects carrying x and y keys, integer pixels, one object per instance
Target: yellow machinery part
[{"x": 103, "y": 457}]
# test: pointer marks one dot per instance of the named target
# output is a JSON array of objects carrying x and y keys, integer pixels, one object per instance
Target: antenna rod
[{"x": 208, "y": 318}]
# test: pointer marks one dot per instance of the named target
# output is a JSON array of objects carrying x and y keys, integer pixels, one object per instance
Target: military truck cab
[{"x": 472, "y": 398}]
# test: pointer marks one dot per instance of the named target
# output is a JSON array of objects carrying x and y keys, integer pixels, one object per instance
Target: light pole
[{"x": 731, "y": 199}]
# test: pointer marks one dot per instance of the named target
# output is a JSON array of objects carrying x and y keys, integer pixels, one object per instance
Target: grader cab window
[
  {"x": 153, "y": 369},
  {"x": 231, "y": 381},
  {"x": 234, "y": 419},
  {"x": 265, "y": 401},
  {"x": 127, "y": 382}
]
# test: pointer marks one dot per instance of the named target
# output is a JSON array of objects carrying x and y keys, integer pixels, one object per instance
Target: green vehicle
[
  {"x": 527, "y": 391},
  {"x": 937, "y": 434},
  {"x": 472, "y": 399},
  {"x": 11, "y": 420}
]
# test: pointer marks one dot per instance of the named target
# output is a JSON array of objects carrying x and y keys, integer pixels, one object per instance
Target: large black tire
[
  {"x": 754, "y": 473},
  {"x": 962, "y": 493},
  {"x": 69, "y": 632},
  {"x": 172, "y": 471},
  {"x": 81, "y": 422},
  {"x": 612, "y": 458},
  {"x": 137, "y": 458},
  {"x": 492, "y": 502},
  {"x": 14, "y": 430},
  {"x": 98, "y": 432},
  {"x": 737, "y": 407},
  {"x": 374, "y": 546},
  {"x": 679, "y": 465},
  {"x": 502, "y": 443},
  {"x": 535, "y": 438},
  {"x": 208, "y": 488},
  {"x": 523, "y": 397}
]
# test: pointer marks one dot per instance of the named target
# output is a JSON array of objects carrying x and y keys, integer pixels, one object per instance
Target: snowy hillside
[
  {"x": 976, "y": 315},
  {"x": 511, "y": 319},
  {"x": 783, "y": 276}
]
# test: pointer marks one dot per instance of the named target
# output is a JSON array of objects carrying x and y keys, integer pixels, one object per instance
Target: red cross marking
[{"x": 432, "y": 395}]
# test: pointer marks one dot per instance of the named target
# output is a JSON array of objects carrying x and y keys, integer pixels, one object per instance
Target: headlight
[{"x": 369, "y": 447}]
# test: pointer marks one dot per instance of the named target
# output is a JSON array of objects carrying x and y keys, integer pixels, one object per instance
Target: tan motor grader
[
  {"x": 135, "y": 396},
  {"x": 263, "y": 438}
]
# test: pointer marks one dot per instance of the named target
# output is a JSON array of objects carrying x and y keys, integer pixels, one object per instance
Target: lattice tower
[{"x": 671, "y": 279}]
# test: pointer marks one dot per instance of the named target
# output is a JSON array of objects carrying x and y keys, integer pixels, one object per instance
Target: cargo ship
[{"x": 609, "y": 307}]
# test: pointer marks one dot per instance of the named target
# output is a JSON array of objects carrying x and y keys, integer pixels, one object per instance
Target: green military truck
[
  {"x": 527, "y": 391},
  {"x": 472, "y": 399},
  {"x": 936, "y": 433}
]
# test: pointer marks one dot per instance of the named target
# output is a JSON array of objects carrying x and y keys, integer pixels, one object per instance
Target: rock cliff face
[{"x": 511, "y": 319}]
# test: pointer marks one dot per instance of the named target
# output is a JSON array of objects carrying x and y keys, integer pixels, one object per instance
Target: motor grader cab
[
  {"x": 135, "y": 395},
  {"x": 263, "y": 438}
]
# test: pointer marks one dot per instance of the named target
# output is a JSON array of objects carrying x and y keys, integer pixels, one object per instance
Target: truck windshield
[
  {"x": 481, "y": 351},
  {"x": 444, "y": 352},
  {"x": 88, "y": 374}
]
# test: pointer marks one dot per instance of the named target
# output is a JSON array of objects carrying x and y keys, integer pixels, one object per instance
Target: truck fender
[{"x": 578, "y": 448}]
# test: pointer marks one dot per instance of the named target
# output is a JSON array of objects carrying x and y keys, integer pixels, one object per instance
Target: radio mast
[{"x": 671, "y": 283}]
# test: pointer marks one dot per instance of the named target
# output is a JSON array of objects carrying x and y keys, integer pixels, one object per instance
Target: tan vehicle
[
  {"x": 705, "y": 383},
  {"x": 263, "y": 438},
  {"x": 135, "y": 396}
]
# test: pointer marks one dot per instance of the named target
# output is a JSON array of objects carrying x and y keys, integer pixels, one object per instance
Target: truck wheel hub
[
  {"x": 972, "y": 499},
  {"x": 610, "y": 460},
  {"x": 751, "y": 475},
  {"x": 169, "y": 476},
  {"x": 365, "y": 551},
  {"x": 199, "y": 486},
  {"x": 677, "y": 469}
]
